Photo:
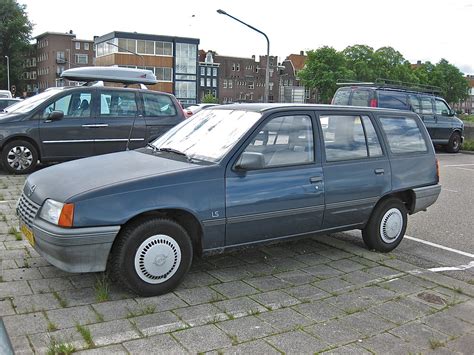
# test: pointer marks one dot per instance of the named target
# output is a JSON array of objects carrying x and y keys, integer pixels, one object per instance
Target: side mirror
[
  {"x": 250, "y": 161},
  {"x": 451, "y": 113},
  {"x": 56, "y": 115}
]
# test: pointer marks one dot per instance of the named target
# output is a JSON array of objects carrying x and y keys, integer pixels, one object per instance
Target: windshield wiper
[
  {"x": 172, "y": 150},
  {"x": 155, "y": 149}
]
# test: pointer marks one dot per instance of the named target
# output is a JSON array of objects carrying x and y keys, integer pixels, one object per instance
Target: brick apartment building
[
  {"x": 174, "y": 60},
  {"x": 208, "y": 75},
  {"x": 291, "y": 89},
  {"x": 54, "y": 53}
]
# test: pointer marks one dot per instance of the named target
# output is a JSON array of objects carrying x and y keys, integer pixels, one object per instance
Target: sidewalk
[{"x": 313, "y": 295}]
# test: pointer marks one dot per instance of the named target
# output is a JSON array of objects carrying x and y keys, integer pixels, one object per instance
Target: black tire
[
  {"x": 19, "y": 157},
  {"x": 376, "y": 234},
  {"x": 454, "y": 143},
  {"x": 140, "y": 256}
]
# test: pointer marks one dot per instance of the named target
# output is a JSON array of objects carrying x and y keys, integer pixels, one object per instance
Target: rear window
[
  {"x": 395, "y": 100},
  {"x": 403, "y": 135},
  {"x": 158, "y": 105},
  {"x": 341, "y": 97},
  {"x": 360, "y": 98}
]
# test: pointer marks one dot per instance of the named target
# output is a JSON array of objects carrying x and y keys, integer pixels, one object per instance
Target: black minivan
[
  {"x": 443, "y": 126},
  {"x": 61, "y": 124}
]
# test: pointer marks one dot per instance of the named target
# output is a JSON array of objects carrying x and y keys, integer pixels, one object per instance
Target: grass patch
[
  {"x": 62, "y": 301},
  {"x": 435, "y": 344},
  {"x": 57, "y": 348},
  {"x": 102, "y": 289},
  {"x": 353, "y": 310},
  {"x": 468, "y": 145},
  {"x": 148, "y": 309},
  {"x": 14, "y": 232},
  {"x": 234, "y": 339},
  {"x": 51, "y": 326},
  {"x": 86, "y": 335},
  {"x": 467, "y": 118}
]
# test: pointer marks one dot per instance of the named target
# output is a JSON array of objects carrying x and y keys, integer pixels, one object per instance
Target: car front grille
[{"x": 27, "y": 210}]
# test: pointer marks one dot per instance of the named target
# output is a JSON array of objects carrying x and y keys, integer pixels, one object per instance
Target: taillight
[
  {"x": 373, "y": 103},
  {"x": 66, "y": 217}
]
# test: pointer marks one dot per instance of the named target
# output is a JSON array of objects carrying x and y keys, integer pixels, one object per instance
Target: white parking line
[
  {"x": 455, "y": 165},
  {"x": 449, "y": 190},
  {"x": 464, "y": 169},
  {"x": 453, "y": 268},
  {"x": 460, "y": 252}
]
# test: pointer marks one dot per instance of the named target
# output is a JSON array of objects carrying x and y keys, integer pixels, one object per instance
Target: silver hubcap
[
  {"x": 391, "y": 225},
  {"x": 20, "y": 158},
  {"x": 157, "y": 259}
]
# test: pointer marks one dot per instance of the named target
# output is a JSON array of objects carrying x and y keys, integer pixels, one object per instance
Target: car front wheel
[
  {"x": 19, "y": 157},
  {"x": 387, "y": 225},
  {"x": 454, "y": 143},
  {"x": 151, "y": 256}
]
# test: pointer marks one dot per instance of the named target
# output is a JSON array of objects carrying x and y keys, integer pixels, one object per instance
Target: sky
[{"x": 419, "y": 29}]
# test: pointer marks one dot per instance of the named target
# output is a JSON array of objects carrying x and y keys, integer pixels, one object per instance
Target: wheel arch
[{"x": 22, "y": 138}]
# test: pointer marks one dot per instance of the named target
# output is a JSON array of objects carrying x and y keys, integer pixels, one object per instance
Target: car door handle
[
  {"x": 95, "y": 125},
  {"x": 379, "y": 171},
  {"x": 315, "y": 179}
]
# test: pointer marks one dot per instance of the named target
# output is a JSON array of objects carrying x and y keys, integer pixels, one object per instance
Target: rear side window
[
  {"x": 414, "y": 103},
  {"x": 360, "y": 98},
  {"x": 349, "y": 137},
  {"x": 118, "y": 104},
  {"x": 426, "y": 105},
  {"x": 158, "y": 105},
  {"x": 341, "y": 97},
  {"x": 403, "y": 135},
  {"x": 393, "y": 99}
]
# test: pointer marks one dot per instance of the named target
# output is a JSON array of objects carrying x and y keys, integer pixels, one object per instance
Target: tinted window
[
  {"x": 393, "y": 99},
  {"x": 77, "y": 104},
  {"x": 426, "y": 105},
  {"x": 360, "y": 98},
  {"x": 284, "y": 141},
  {"x": 341, "y": 97},
  {"x": 344, "y": 137},
  {"x": 441, "y": 108},
  {"x": 403, "y": 135},
  {"x": 158, "y": 105},
  {"x": 118, "y": 104},
  {"x": 414, "y": 103}
]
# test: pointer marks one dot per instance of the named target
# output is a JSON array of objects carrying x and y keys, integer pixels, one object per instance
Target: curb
[{"x": 469, "y": 152}]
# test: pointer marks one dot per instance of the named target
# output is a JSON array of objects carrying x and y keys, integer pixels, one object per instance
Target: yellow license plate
[{"x": 28, "y": 233}]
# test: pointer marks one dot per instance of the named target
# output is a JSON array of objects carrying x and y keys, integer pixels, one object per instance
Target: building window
[
  {"x": 208, "y": 71},
  {"x": 224, "y": 83},
  {"x": 86, "y": 46},
  {"x": 127, "y": 45},
  {"x": 145, "y": 47},
  {"x": 60, "y": 58},
  {"x": 163, "y": 48},
  {"x": 203, "y": 71},
  {"x": 202, "y": 82},
  {"x": 78, "y": 45},
  {"x": 230, "y": 84},
  {"x": 208, "y": 82},
  {"x": 251, "y": 85},
  {"x": 214, "y": 82},
  {"x": 164, "y": 74},
  {"x": 186, "y": 90},
  {"x": 186, "y": 58},
  {"x": 82, "y": 59},
  {"x": 214, "y": 71}
]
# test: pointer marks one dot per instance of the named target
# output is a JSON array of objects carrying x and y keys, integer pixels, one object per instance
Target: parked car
[
  {"x": 5, "y": 94},
  {"x": 74, "y": 122},
  {"x": 443, "y": 126},
  {"x": 231, "y": 176},
  {"x": 5, "y": 102}
]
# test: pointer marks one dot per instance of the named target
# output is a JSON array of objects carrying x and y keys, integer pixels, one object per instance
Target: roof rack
[
  {"x": 394, "y": 84},
  {"x": 110, "y": 74}
]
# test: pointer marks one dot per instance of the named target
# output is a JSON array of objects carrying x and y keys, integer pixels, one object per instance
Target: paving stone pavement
[{"x": 317, "y": 295}]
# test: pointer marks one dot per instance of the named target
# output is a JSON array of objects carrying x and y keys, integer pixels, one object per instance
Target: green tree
[
  {"x": 15, "y": 35},
  {"x": 360, "y": 60},
  {"x": 451, "y": 80},
  {"x": 209, "y": 99},
  {"x": 323, "y": 67}
]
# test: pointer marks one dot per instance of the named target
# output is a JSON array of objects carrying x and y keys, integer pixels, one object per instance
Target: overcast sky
[{"x": 419, "y": 29}]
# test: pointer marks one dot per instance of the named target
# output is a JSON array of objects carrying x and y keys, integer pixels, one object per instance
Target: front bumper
[
  {"x": 74, "y": 249},
  {"x": 425, "y": 197}
]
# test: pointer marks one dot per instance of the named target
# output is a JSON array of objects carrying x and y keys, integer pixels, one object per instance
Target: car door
[
  {"x": 284, "y": 195},
  {"x": 428, "y": 116},
  {"x": 118, "y": 117},
  {"x": 160, "y": 113},
  {"x": 356, "y": 169},
  {"x": 68, "y": 137},
  {"x": 444, "y": 121}
]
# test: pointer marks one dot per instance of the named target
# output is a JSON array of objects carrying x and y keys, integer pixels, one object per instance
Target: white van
[{"x": 5, "y": 94}]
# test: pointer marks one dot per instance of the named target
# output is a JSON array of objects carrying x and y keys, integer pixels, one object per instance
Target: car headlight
[{"x": 58, "y": 213}]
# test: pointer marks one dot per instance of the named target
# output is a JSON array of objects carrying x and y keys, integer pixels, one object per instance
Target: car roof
[
  {"x": 265, "y": 107},
  {"x": 381, "y": 88},
  {"x": 72, "y": 88}
]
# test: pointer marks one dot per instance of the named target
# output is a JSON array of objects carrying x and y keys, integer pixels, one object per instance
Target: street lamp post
[
  {"x": 267, "y": 69},
  {"x": 8, "y": 72},
  {"x": 126, "y": 50}
]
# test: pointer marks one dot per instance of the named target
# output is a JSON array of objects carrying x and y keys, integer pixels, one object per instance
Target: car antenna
[{"x": 130, "y": 132}]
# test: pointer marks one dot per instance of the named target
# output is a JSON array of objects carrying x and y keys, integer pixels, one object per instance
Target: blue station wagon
[{"x": 231, "y": 176}]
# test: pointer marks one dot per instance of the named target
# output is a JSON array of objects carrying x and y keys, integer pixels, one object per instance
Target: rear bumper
[
  {"x": 425, "y": 197},
  {"x": 74, "y": 249}
]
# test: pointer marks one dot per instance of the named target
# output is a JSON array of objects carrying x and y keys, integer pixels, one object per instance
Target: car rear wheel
[
  {"x": 387, "y": 225},
  {"x": 151, "y": 256},
  {"x": 19, "y": 157},
  {"x": 454, "y": 143}
]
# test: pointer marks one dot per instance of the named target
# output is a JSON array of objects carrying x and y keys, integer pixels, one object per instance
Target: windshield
[
  {"x": 209, "y": 134},
  {"x": 30, "y": 103}
]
